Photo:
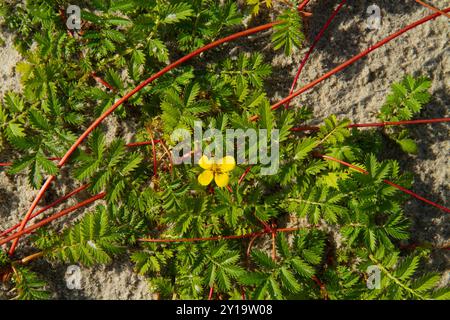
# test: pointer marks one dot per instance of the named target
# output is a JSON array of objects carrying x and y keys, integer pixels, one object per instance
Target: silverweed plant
[{"x": 314, "y": 230}]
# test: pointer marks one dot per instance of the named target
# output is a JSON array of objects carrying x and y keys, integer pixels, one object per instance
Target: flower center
[{"x": 216, "y": 168}]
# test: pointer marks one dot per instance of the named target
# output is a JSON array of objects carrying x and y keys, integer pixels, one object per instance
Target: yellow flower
[{"x": 216, "y": 169}]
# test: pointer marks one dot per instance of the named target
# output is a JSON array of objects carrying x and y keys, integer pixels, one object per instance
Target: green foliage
[
  {"x": 346, "y": 219},
  {"x": 333, "y": 131},
  {"x": 108, "y": 167},
  {"x": 377, "y": 216},
  {"x": 181, "y": 112},
  {"x": 317, "y": 202},
  {"x": 38, "y": 132},
  {"x": 406, "y": 99},
  {"x": 11, "y": 114},
  {"x": 28, "y": 286},
  {"x": 287, "y": 34},
  {"x": 304, "y": 147},
  {"x": 219, "y": 267},
  {"x": 256, "y": 5},
  {"x": 397, "y": 281},
  {"x": 151, "y": 259},
  {"x": 403, "y": 103},
  {"x": 243, "y": 74},
  {"x": 283, "y": 278},
  {"x": 91, "y": 241},
  {"x": 3, "y": 258}
]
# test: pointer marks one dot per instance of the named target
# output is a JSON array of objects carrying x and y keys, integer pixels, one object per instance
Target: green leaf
[
  {"x": 113, "y": 78},
  {"x": 116, "y": 152},
  {"x": 441, "y": 294},
  {"x": 302, "y": 268},
  {"x": 191, "y": 93},
  {"x": 288, "y": 34},
  {"x": 151, "y": 259},
  {"x": 21, "y": 164},
  {"x": 157, "y": 49},
  {"x": 28, "y": 286},
  {"x": 97, "y": 143},
  {"x": 288, "y": 280},
  {"x": 87, "y": 169},
  {"x": 122, "y": 5},
  {"x": 256, "y": 5},
  {"x": 316, "y": 202},
  {"x": 378, "y": 172},
  {"x": 86, "y": 15},
  {"x": 47, "y": 165},
  {"x": 3, "y": 114},
  {"x": 407, "y": 267},
  {"x": 252, "y": 278},
  {"x": 117, "y": 21},
  {"x": 114, "y": 35},
  {"x": 263, "y": 259},
  {"x": 266, "y": 117},
  {"x": 177, "y": 12},
  {"x": 35, "y": 177},
  {"x": 283, "y": 246},
  {"x": 426, "y": 282},
  {"x": 115, "y": 191},
  {"x": 38, "y": 120},
  {"x": 408, "y": 145},
  {"x": 371, "y": 239},
  {"x": 15, "y": 130},
  {"x": 13, "y": 102},
  {"x": 334, "y": 131},
  {"x": 406, "y": 99},
  {"x": 287, "y": 123},
  {"x": 134, "y": 160},
  {"x": 92, "y": 240},
  {"x": 304, "y": 147}
]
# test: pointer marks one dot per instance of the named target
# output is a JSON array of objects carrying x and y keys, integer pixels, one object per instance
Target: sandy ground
[{"x": 356, "y": 93}]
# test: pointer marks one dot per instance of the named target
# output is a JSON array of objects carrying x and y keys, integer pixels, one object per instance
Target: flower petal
[
  {"x": 226, "y": 164},
  {"x": 221, "y": 179},
  {"x": 205, "y": 177},
  {"x": 205, "y": 163}
]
